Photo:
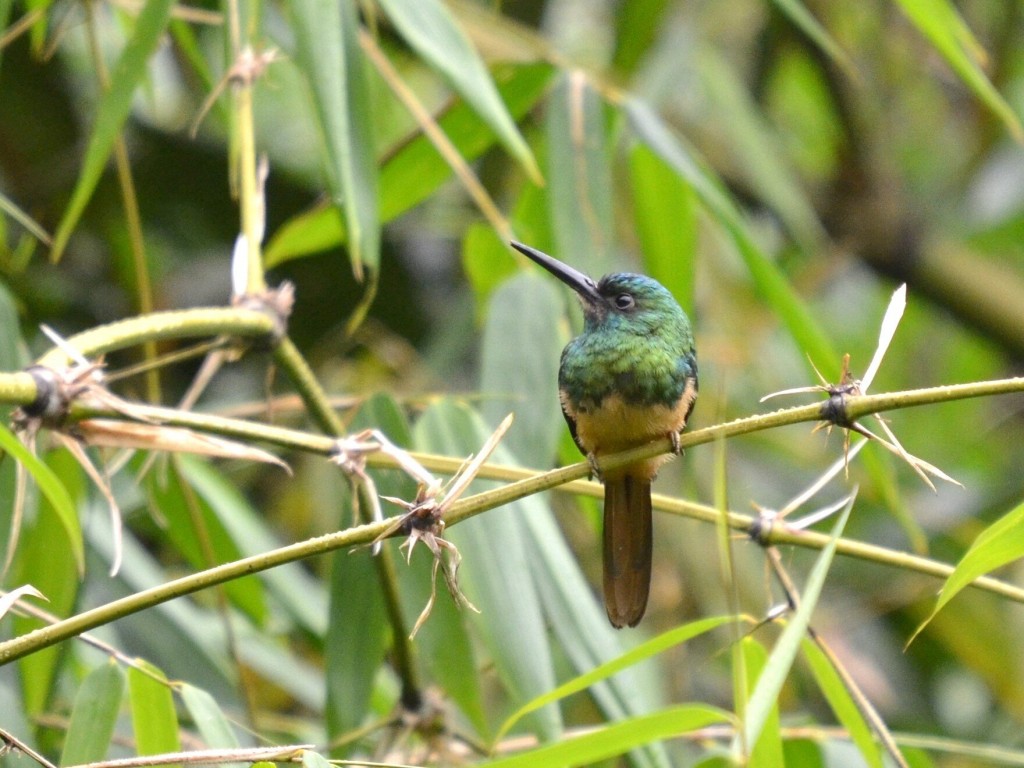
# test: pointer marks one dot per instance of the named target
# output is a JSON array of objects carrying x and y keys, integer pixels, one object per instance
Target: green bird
[{"x": 628, "y": 379}]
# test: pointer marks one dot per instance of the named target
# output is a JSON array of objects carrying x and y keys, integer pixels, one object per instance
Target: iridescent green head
[{"x": 620, "y": 302}]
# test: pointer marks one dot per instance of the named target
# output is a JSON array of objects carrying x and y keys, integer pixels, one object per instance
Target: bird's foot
[
  {"x": 677, "y": 449},
  {"x": 595, "y": 470}
]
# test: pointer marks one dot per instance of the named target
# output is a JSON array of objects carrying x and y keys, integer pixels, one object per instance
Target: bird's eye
[{"x": 625, "y": 301}]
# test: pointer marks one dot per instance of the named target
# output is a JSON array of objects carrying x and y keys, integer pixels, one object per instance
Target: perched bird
[{"x": 628, "y": 379}]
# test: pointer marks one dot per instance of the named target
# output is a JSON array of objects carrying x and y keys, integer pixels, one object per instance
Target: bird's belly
[{"x": 616, "y": 425}]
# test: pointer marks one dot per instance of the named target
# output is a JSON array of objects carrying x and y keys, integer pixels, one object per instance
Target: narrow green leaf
[
  {"x": 495, "y": 571},
  {"x": 44, "y": 560},
  {"x": 617, "y": 738},
  {"x": 444, "y": 648},
  {"x": 94, "y": 715},
  {"x": 582, "y": 630},
  {"x": 171, "y": 501},
  {"x": 521, "y": 348},
  {"x": 154, "y": 719},
  {"x": 486, "y": 262},
  {"x": 13, "y": 353},
  {"x": 299, "y": 593},
  {"x": 416, "y": 170},
  {"x": 816, "y": 33},
  {"x": 759, "y": 155},
  {"x": 356, "y": 639},
  {"x": 767, "y": 752},
  {"x": 940, "y": 22},
  {"x": 328, "y": 52},
  {"x": 665, "y": 213},
  {"x": 311, "y": 759},
  {"x": 769, "y": 279},
  {"x": 209, "y": 718},
  {"x": 645, "y": 650},
  {"x": 842, "y": 703},
  {"x": 769, "y": 685},
  {"x": 428, "y": 27},
  {"x": 11, "y": 209},
  {"x": 53, "y": 489},
  {"x": 112, "y": 111},
  {"x": 999, "y": 544},
  {"x": 579, "y": 176}
]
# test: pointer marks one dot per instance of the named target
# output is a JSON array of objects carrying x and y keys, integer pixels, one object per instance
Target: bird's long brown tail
[{"x": 627, "y": 548}]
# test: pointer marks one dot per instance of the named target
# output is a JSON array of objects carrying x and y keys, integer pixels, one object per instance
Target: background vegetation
[{"x": 780, "y": 166}]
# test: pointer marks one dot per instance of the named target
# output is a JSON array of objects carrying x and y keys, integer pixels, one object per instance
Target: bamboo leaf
[
  {"x": 940, "y": 22},
  {"x": 617, "y": 738},
  {"x": 769, "y": 684},
  {"x": 495, "y": 568},
  {"x": 769, "y": 279},
  {"x": 112, "y": 111},
  {"x": 767, "y": 751},
  {"x": 53, "y": 489},
  {"x": 665, "y": 213},
  {"x": 154, "y": 719},
  {"x": 428, "y": 27},
  {"x": 635, "y": 655},
  {"x": 209, "y": 718},
  {"x": 581, "y": 627},
  {"x": 415, "y": 171},
  {"x": 999, "y": 544},
  {"x": 329, "y": 54},
  {"x": 810, "y": 26},
  {"x": 842, "y": 704},
  {"x": 94, "y": 715},
  {"x": 520, "y": 364},
  {"x": 579, "y": 176}
]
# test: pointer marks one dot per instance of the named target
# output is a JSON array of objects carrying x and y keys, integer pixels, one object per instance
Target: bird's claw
[
  {"x": 677, "y": 449},
  {"x": 595, "y": 470}
]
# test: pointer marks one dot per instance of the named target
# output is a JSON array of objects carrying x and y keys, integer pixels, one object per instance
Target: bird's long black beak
[{"x": 583, "y": 284}]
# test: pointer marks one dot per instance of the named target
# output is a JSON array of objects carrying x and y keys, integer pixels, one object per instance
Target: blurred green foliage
[{"x": 780, "y": 166}]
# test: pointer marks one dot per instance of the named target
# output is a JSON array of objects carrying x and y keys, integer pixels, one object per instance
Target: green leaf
[
  {"x": 581, "y": 627},
  {"x": 45, "y": 561},
  {"x": 635, "y": 655},
  {"x": 154, "y": 719},
  {"x": 842, "y": 703},
  {"x": 299, "y": 593},
  {"x": 665, "y": 214},
  {"x": 816, "y": 33},
  {"x": 443, "y": 645},
  {"x": 769, "y": 684},
  {"x": 13, "y": 354},
  {"x": 759, "y": 157},
  {"x": 209, "y": 718},
  {"x": 327, "y": 33},
  {"x": 579, "y": 176},
  {"x": 416, "y": 170},
  {"x": 494, "y": 570},
  {"x": 94, "y": 715},
  {"x": 522, "y": 341},
  {"x": 172, "y": 501},
  {"x": 53, "y": 489},
  {"x": 357, "y": 631},
  {"x": 311, "y": 759},
  {"x": 428, "y": 27},
  {"x": 356, "y": 639},
  {"x": 999, "y": 544},
  {"x": 940, "y": 22},
  {"x": 767, "y": 752},
  {"x": 112, "y": 111},
  {"x": 769, "y": 279},
  {"x": 617, "y": 738}
]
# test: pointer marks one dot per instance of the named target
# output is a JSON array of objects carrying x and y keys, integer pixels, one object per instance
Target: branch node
[{"x": 275, "y": 303}]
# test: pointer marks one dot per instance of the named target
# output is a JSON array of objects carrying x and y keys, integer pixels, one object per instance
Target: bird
[{"x": 628, "y": 379}]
